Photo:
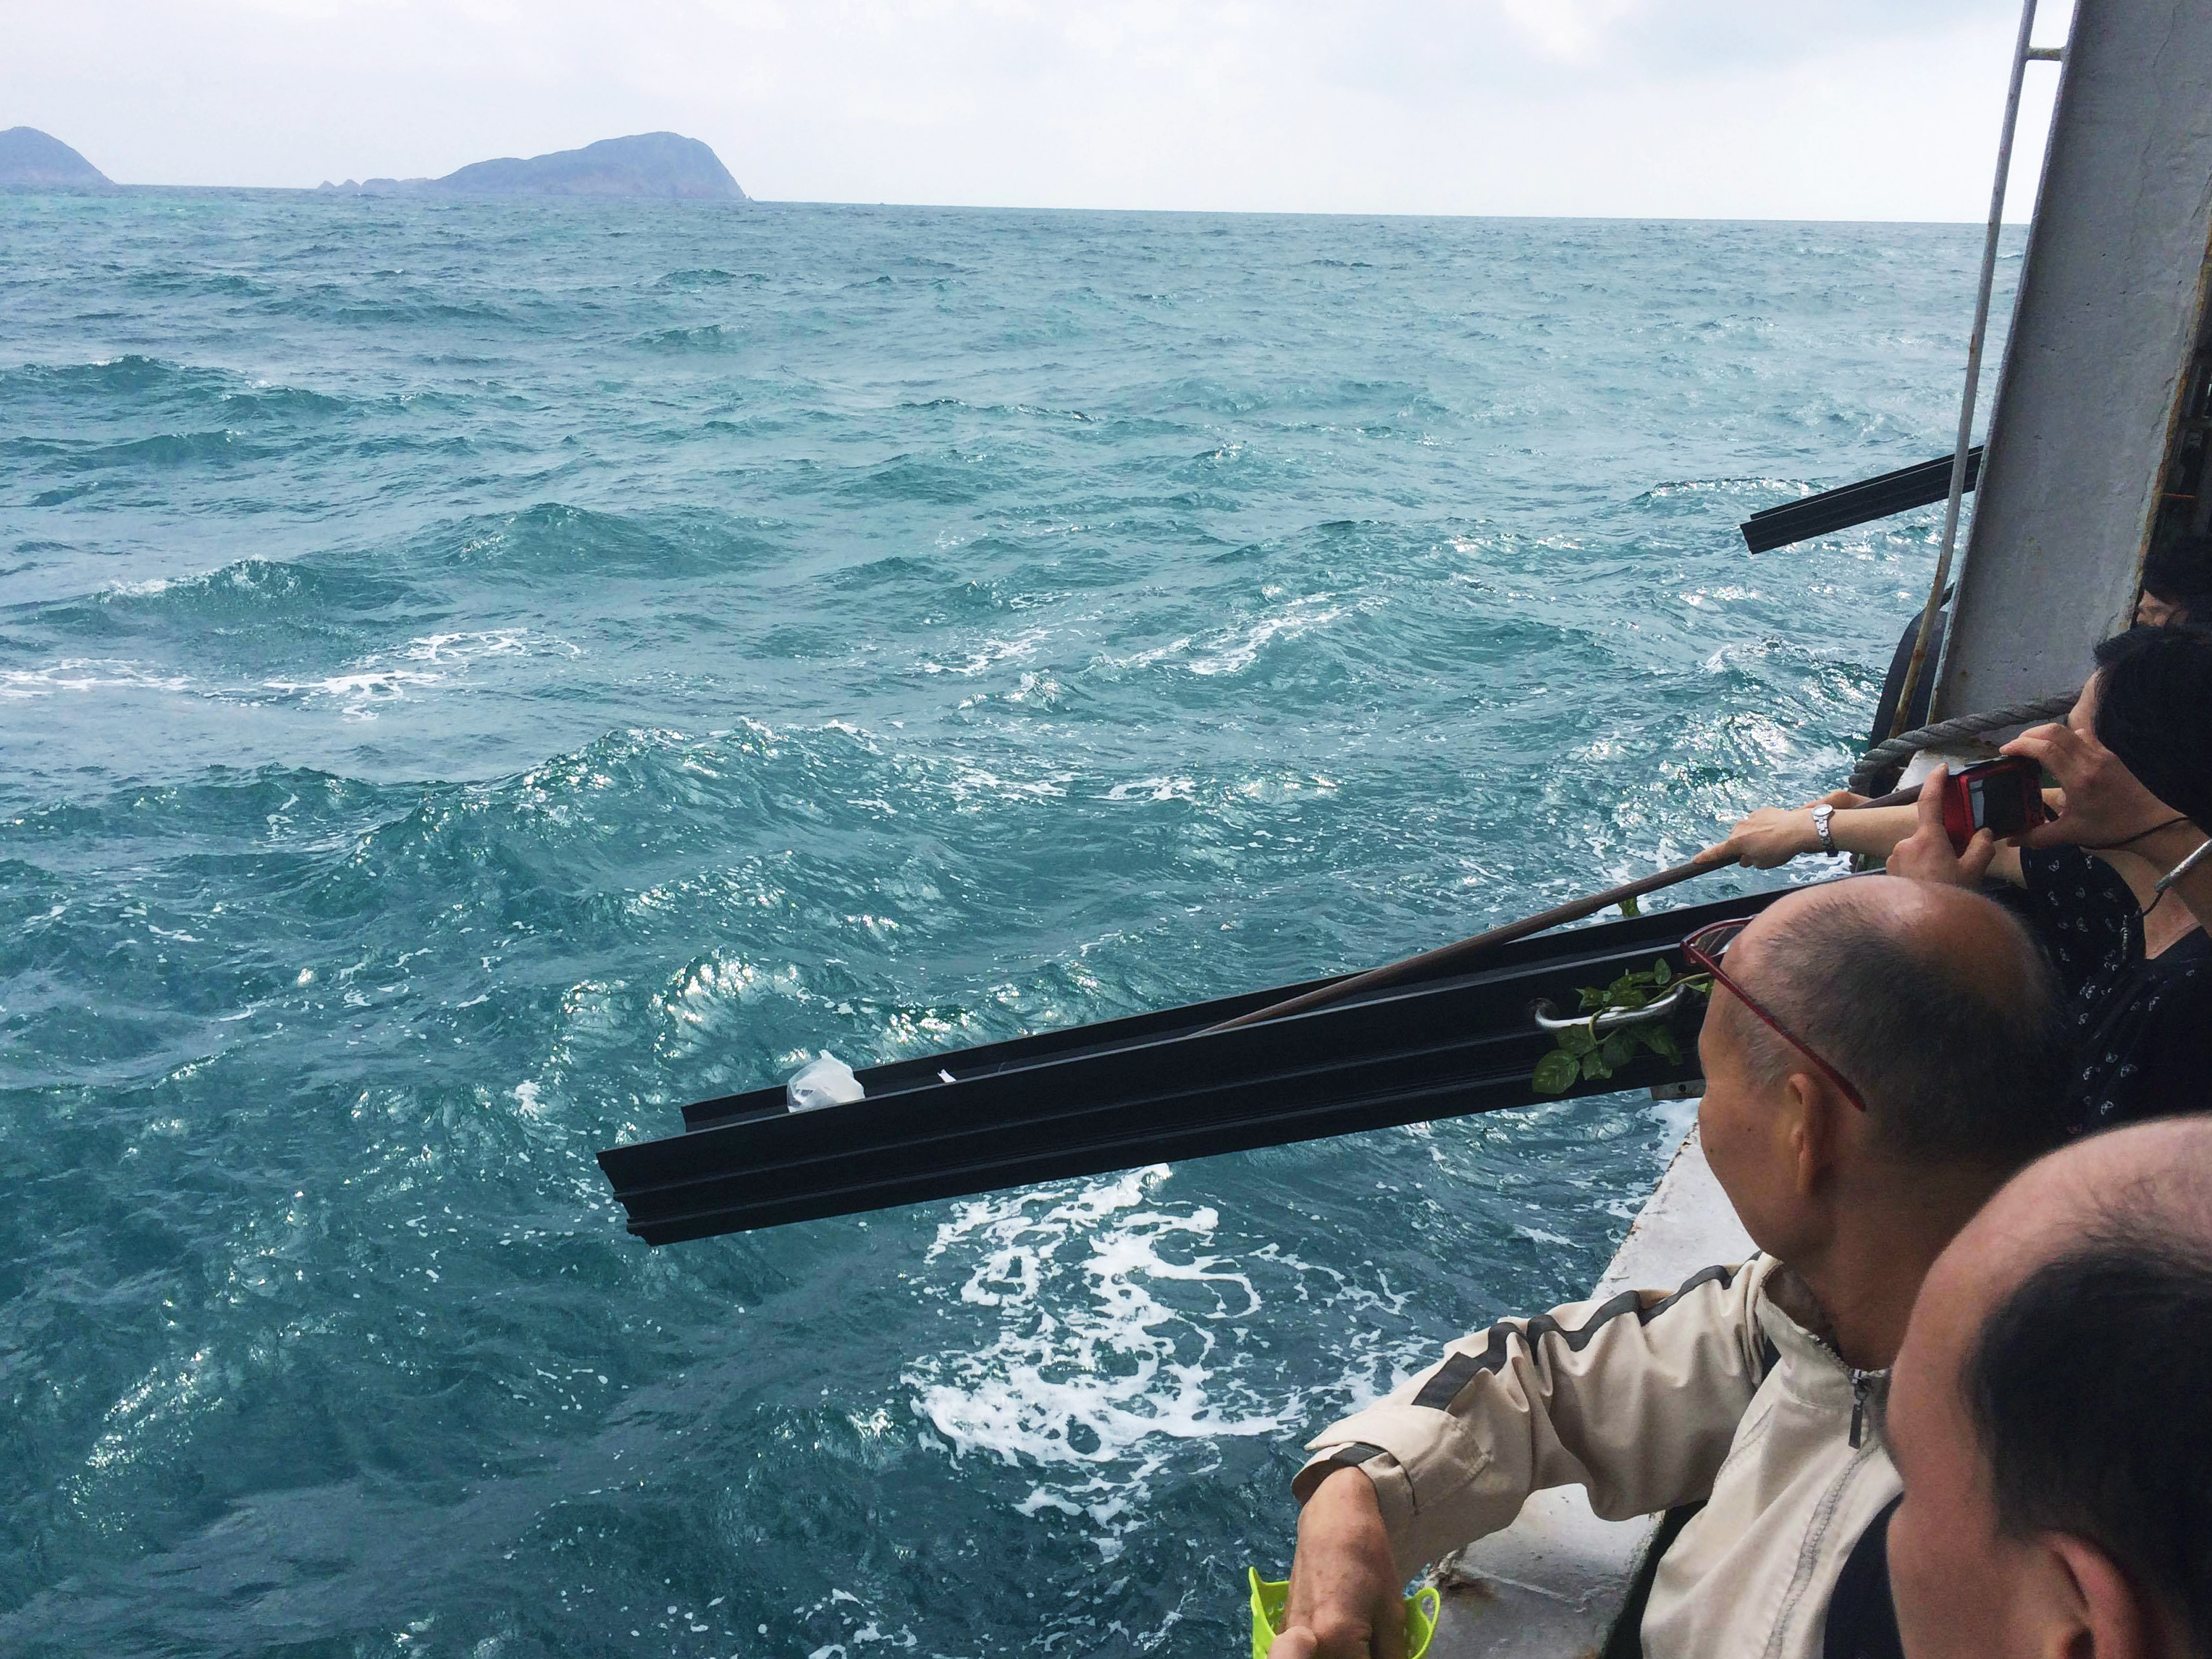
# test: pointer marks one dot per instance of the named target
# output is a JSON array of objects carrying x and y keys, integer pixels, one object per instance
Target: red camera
[{"x": 2004, "y": 797}]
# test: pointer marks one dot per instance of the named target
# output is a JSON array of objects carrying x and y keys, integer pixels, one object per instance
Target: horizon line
[{"x": 117, "y": 187}]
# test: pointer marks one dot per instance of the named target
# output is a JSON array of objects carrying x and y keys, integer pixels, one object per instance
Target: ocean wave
[
  {"x": 255, "y": 589},
  {"x": 941, "y": 480},
  {"x": 707, "y": 337},
  {"x": 130, "y": 377},
  {"x": 345, "y": 308},
  {"x": 708, "y": 276},
  {"x": 553, "y": 541},
  {"x": 166, "y": 449},
  {"x": 279, "y": 404},
  {"x": 223, "y": 808},
  {"x": 132, "y": 384}
]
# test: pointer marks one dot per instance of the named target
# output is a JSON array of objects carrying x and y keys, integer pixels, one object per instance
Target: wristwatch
[{"x": 1822, "y": 827}]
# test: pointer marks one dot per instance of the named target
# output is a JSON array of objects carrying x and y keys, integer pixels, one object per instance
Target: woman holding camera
[{"x": 2103, "y": 885}]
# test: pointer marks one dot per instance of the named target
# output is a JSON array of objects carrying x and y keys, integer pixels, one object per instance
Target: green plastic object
[{"x": 1267, "y": 1600}]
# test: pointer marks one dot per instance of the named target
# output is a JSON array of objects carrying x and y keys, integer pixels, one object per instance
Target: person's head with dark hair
[
  {"x": 2150, "y": 703},
  {"x": 1920, "y": 1067},
  {"x": 2177, "y": 584},
  {"x": 2051, "y": 1414}
]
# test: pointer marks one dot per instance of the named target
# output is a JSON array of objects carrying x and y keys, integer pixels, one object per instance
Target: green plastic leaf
[
  {"x": 1578, "y": 1040},
  {"x": 1662, "y": 975},
  {"x": 1629, "y": 907},
  {"x": 1593, "y": 1065},
  {"x": 1662, "y": 1042},
  {"x": 1617, "y": 1049},
  {"x": 1555, "y": 1072}
]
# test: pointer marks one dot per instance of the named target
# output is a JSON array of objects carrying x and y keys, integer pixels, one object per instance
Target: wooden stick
[{"x": 1558, "y": 915}]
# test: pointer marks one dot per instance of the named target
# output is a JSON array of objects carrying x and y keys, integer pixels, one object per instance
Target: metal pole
[
  {"x": 1928, "y": 612},
  {"x": 1459, "y": 954}
]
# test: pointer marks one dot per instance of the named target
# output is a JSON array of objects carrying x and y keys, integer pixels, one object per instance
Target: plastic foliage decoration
[{"x": 1583, "y": 1052}]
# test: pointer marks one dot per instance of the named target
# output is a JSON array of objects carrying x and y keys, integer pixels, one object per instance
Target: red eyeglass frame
[{"x": 1703, "y": 951}]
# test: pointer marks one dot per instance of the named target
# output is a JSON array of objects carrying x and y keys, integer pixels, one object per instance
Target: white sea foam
[
  {"x": 1084, "y": 1381},
  {"x": 361, "y": 693},
  {"x": 85, "y": 674},
  {"x": 1155, "y": 788},
  {"x": 1232, "y": 650},
  {"x": 991, "y": 653},
  {"x": 371, "y": 684},
  {"x": 1110, "y": 1321},
  {"x": 463, "y": 647}
]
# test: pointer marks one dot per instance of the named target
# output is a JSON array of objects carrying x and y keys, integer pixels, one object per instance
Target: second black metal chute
[{"x": 1919, "y": 485}]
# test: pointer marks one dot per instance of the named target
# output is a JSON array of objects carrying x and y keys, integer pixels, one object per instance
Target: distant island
[
  {"x": 31, "y": 159},
  {"x": 665, "y": 165}
]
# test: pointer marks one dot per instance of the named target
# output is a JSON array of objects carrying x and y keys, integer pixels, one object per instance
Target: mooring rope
[{"x": 1892, "y": 751}]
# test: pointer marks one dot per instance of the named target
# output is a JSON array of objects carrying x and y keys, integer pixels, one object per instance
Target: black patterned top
[
  {"x": 2142, "y": 1027},
  {"x": 2084, "y": 916}
]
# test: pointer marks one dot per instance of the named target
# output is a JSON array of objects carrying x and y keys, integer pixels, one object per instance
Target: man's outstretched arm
[
  {"x": 1346, "y": 1599},
  {"x": 1634, "y": 1397}
]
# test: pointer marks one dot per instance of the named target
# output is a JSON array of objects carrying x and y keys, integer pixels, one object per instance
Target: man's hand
[
  {"x": 1346, "y": 1600},
  {"x": 1926, "y": 854},
  {"x": 2105, "y": 806}
]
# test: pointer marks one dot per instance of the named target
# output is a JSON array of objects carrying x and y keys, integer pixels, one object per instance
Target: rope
[{"x": 1893, "y": 752}]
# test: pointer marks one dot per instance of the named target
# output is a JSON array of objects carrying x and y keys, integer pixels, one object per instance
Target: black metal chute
[
  {"x": 1147, "y": 1088},
  {"x": 1855, "y": 504}
]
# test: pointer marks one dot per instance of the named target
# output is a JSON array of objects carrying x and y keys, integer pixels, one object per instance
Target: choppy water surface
[{"x": 474, "y": 678}]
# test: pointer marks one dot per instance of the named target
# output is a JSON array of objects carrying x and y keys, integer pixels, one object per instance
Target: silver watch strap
[{"x": 1824, "y": 827}]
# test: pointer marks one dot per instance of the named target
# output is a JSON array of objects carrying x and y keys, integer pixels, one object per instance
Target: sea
[{"x": 475, "y": 676}]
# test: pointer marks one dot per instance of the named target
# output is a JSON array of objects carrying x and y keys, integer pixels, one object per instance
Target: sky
[{"x": 1765, "y": 109}]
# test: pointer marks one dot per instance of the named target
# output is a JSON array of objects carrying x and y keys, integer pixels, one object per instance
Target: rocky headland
[{"x": 31, "y": 159}]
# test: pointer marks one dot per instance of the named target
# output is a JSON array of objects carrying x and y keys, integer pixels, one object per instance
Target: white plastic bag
[{"x": 828, "y": 1081}]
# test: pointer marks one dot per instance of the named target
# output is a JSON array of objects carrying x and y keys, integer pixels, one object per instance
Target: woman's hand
[
  {"x": 1771, "y": 836},
  {"x": 1927, "y": 855},
  {"x": 2105, "y": 806}
]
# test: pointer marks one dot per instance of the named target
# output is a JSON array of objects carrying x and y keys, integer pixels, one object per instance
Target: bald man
[
  {"x": 1879, "y": 1057},
  {"x": 2051, "y": 1414}
]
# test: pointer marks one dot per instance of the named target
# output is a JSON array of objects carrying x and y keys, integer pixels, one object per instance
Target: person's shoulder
[
  {"x": 2178, "y": 976},
  {"x": 2192, "y": 951}
]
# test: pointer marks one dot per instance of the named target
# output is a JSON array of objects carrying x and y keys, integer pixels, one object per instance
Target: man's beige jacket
[{"x": 1721, "y": 1391}]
